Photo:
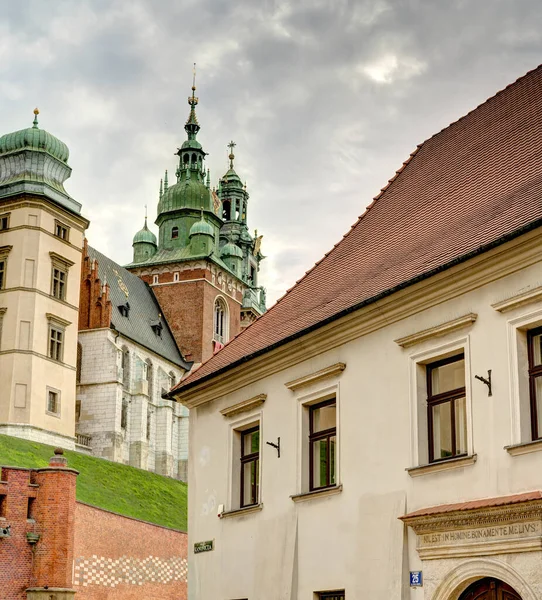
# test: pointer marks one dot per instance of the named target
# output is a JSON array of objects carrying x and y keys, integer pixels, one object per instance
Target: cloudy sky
[{"x": 324, "y": 98}]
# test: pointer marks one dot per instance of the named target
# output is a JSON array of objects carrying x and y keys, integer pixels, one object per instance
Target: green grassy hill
[{"x": 119, "y": 488}]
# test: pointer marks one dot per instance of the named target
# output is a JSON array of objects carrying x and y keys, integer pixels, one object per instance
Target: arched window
[
  {"x": 220, "y": 333},
  {"x": 186, "y": 158},
  {"x": 148, "y": 375},
  {"x": 125, "y": 366},
  {"x": 174, "y": 233},
  {"x": 226, "y": 210},
  {"x": 194, "y": 159}
]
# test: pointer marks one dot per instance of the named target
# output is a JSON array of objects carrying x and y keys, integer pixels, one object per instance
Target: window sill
[
  {"x": 444, "y": 465},
  {"x": 330, "y": 491},
  {"x": 524, "y": 448},
  {"x": 241, "y": 511}
]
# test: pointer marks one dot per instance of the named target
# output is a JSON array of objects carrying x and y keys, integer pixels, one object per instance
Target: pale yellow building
[
  {"x": 41, "y": 239},
  {"x": 378, "y": 432}
]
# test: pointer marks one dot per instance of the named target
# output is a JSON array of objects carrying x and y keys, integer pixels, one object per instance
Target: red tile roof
[
  {"x": 474, "y": 504},
  {"x": 464, "y": 190}
]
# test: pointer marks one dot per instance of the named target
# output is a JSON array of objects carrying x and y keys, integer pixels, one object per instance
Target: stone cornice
[
  {"x": 436, "y": 331},
  {"x": 464, "y": 277},
  {"x": 58, "y": 258},
  {"x": 57, "y": 320},
  {"x": 244, "y": 406},
  {"x": 326, "y": 373},
  {"x": 522, "y": 299},
  {"x": 76, "y": 220}
]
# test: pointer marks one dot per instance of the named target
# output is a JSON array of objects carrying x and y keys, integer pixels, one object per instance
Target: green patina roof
[
  {"x": 189, "y": 193},
  {"x": 231, "y": 177},
  {"x": 202, "y": 228},
  {"x": 144, "y": 235},
  {"x": 231, "y": 250},
  {"x": 191, "y": 144},
  {"x": 34, "y": 138}
]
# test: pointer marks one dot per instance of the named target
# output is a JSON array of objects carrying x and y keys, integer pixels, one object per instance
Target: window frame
[
  {"x": 220, "y": 320},
  {"x": 59, "y": 284},
  {"x": 324, "y": 434},
  {"x": 442, "y": 398},
  {"x": 4, "y": 217},
  {"x": 331, "y": 595},
  {"x": 244, "y": 460},
  {"x": 533, "y": 372},
  {"x": 175, "y": 233},
  {"x": 4, "y": 252},
  {"x": 59, "y": 228},
  {"x": 53, "y": 413}
]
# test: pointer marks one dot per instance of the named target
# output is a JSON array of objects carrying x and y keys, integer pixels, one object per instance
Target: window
[
  {"x": 30, "y": 508},
  {"x": 322, "y": 444},
  {"x": 220, "y": 333},
  {"x": 4, "y": 221},
  {"x": 155, "y": 278},
  {"x": 61, "y": 231},
  {"x": 149, "y": 420},
  {"x": 124, "y": 414},
  {"x": 534, "y": 349},
  {"x": 250, "y": 466},
  {"x": 446, "y": 408},
  {"x": 79, "y": 363},
  {"x": 176, "y": 276},
  {"x": 53, "y": 401},
  {"x": 174, "y": 233},
  {"x": 56, "y": 341},
  {"x": 58, "y": 287},
  {"x": 335, "y": 595},
  {"x": 3, "y": 262},
  {"x": 77, "y": 411},
  {"x": 3, "y": 505}
]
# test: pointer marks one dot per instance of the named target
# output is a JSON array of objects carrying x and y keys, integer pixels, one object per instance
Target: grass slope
[{"x": 113, "y": 486}]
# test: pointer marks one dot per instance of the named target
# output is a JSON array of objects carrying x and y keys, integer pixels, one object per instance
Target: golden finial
[
  {"x": 35, "y": 122},
  {"x": 36, "y": 111}
]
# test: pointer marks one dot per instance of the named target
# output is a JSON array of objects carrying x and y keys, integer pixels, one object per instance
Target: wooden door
[{"x": 489, "y": 589}]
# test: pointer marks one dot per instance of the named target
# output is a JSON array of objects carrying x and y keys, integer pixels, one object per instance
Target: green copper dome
[
  {"x": 231, "y": 250},
  {"x": 34, "y": 138},
  {"x": 202, "y": 228},
  {"x": 188, "y": 193},
  {"x": 145, "y": 235}
]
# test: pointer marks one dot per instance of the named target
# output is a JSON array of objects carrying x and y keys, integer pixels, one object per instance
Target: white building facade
[{"x": 378, "y": 432}]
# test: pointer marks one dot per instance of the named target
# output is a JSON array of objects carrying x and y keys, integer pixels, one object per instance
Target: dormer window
[
  {"x": 124, "y": 310},
  {"x": 157, "y": 327},
  {"x": 174, "y": 233}
]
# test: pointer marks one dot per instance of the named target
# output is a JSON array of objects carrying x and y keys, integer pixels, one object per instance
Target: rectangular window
[
  {"x": 53, "y": 402},
  {"x": 446, "y": 408},
  {"x": 2, "y": 273},
  {"x": 250, "y": 466},
  {"x": 61, "y": 231},
  {"x": 58, "y": 286},
  {"x": 4, "y": 222},
  {"x": 149, "y": 418},
  {"x": 334, "y": 595},
  {"x": 2, "y": 505},
  {"x": 322, "y": 444},
  {"x": 534, "y": 349},
  {"x": 56, "y": 342},
  {"x": 77, "y": 411},
  {"x": 30, "y": 508},
  {"x": 124, "y": 414}
]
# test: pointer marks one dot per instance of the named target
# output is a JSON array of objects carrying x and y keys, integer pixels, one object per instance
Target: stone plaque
[{"x": 204, "y": 546}]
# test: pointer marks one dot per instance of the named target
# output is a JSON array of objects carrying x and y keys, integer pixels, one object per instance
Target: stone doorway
[{"x": 489, "y": 589}]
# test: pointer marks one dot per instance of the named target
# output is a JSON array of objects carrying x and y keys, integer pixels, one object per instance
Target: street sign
[
  {"x": 204, "y": 546},
  {"x": 416, "y": 579}
]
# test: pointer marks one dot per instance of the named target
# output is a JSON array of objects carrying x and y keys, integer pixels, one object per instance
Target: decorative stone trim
[
  {"x": 331, "y": 491},
  {"x": 326, "y": 373},
  {"x": 244, "y": 406},
  {"x": 443, "y": 465},
  {"x": 5, "y": 250},
  {"x": 502, "y": 529},
  {"x": 528, "y": 297},
  {"x": 524, "y": 448},
  {"x": 241, "y": 511},
  {"x": 57, "y": 320},
  {"x": 437, "y": 330},
  {"x": 60, "y": 260}
]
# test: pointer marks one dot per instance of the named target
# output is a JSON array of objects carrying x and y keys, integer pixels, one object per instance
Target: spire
[
  {"x": 145, "y": 226},
  {"x": 231, "y": 155},
  {"x": 208, "y": 179},
  {"x": 165, "y": 182},
  {"x": 35, "y": 122},
  {"x": 192, "y": 126},
  {"x": 161, "y": 193}
]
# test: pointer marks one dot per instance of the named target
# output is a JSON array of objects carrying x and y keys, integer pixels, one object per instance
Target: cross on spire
[{"x": 231, "y": 156}]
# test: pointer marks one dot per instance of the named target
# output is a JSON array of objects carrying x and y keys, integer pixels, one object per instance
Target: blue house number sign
[{"x": 416, "y": 579}]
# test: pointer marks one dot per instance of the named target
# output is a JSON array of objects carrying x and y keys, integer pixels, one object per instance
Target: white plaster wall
[{"x": 354, "y": 540}]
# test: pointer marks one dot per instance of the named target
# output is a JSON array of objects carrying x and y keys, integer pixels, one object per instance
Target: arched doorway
[{"x": 489, "y": 589}]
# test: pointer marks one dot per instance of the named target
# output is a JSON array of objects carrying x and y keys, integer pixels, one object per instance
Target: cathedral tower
[{"x": 203, "y": 268}]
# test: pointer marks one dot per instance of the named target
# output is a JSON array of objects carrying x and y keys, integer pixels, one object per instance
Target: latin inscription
[
  {"x": 204, "y": 546},
  {"x": 481, "y": 534}
]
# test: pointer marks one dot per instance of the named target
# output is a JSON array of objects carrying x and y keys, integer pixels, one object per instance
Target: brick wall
[{"x": 117, "y": 558}]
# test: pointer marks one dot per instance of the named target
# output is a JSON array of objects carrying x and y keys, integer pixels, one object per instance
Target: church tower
[
  {"x": 203, "y": 266},
  {"x": 41, "y": 239}
]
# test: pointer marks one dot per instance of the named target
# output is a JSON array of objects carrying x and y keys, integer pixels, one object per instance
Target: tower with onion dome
[
  {"x": 41, "y": 237},
  {"x": 203, "y": 265}
]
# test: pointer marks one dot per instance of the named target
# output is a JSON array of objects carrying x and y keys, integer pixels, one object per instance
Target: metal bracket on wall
[
  {"x": 486, "y": 381},
  {"x": 276, "y": 446}
]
